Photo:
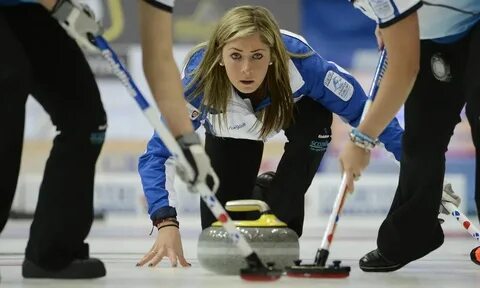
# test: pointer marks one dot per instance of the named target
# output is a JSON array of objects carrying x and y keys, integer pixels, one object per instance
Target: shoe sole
[{"x": 382, "y": 269}]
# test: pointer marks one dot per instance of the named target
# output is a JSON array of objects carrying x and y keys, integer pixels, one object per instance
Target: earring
[
  {"x": 270, "y": 63},
  {"x": 221, "y": 64}
]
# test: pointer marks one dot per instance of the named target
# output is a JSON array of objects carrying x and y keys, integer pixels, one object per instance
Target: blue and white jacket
[
  {"x": 441, "y": 20},
  {"x": 313, "y": 77}
]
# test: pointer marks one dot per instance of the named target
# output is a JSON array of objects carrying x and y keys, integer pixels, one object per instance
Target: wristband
[
  {"x": 157, "y": 222},
  {"x": 362, "y": 140},
  {"x": 168, "y": 225}
]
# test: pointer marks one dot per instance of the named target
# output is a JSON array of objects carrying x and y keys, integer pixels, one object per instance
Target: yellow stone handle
[{"x": 247, "y": 205}]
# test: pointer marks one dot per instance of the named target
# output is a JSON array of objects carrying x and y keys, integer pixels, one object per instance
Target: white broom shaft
[
  {"x": 341, "y": 195},
  {"x": 334, "y": 216},
  {"x": 463, "y": 220}
]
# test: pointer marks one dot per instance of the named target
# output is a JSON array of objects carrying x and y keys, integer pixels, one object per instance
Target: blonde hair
[{"x": 212, "y": 80}]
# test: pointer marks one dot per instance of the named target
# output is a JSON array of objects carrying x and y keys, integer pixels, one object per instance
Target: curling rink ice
[{"x": 121, "y": 241}]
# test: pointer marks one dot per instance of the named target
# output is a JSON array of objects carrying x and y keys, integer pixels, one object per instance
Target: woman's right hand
[
  {"x": 353, "y": 160},
  {"x": 168, "y": 244}
]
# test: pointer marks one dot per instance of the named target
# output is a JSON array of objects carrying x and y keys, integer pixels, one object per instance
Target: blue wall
[{"x": 336, "y": 29}]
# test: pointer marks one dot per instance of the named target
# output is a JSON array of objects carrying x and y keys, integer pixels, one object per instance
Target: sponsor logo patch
[
  {"x": 338, "y": 85},
  {"x": 440, "y": 68},
  {"x": 194, "y": 112},
  {"x": 237, "y": 126},
  {"x": 318, "y": 146}
]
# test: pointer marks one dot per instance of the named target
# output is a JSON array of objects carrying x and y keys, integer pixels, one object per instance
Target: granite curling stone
[{"x": 269, "y": 237}]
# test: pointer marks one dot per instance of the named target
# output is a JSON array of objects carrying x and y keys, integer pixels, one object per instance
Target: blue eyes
[
  {"x": 235, "y": 56},
  {"x": 238, "y": 56}
]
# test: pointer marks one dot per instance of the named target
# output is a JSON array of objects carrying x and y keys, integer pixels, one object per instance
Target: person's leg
[
  {"x": 14, "y": 85},
  {"x": 411, "y": 229},
  {"x": 64, "y": 85},
  {"x": 236, "y": 162},
  {"x": 472, "y": 93},
  {"x": 308, "y": 138}
]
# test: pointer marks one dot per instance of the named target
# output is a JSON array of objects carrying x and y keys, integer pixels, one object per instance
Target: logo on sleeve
[
  {"x": 338, "y": 85},
  {"x": 382, "y": 8},
  {"x": 192, "y": 111}
]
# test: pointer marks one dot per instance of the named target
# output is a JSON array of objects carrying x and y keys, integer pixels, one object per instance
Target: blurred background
[{"x": 118, "y": 190}]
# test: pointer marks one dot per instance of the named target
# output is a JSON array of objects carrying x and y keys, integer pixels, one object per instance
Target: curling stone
[{"x": 269, "y": 237}]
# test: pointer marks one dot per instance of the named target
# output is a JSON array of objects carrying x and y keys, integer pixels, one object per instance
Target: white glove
[
  {"x": 199, "y": 161},
  {"x": 449, "y": 196},
  {"x": 79, "y": 21}
]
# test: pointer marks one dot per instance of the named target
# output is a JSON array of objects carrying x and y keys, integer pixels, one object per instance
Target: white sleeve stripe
[
  {"x": 166, "y": 5},
  {"x": 384, "y": 11},
  {"x": 296, "y": 36},
  {"x": 396, "y": 11},
  {"x": 399, "y": 7},
  {"x": 169, "y": 181},
  {"x": 186, "y": 63},
  {"x": 400, "y": 16},
  {"x": 170, "y": 3},
  {"x": 340, "y": 68},
  {"x": 182, "y": 74},
  {"x": 404, "y": 5}
]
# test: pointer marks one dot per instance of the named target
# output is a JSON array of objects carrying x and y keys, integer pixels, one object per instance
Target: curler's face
[{"x": 246, "y": 61}]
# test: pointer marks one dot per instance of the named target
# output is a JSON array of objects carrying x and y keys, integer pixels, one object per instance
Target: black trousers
[
  {"x": 411, "y": 229},
  {"x": 237, "y": 161},
  {"x": 37, "y": 57}
]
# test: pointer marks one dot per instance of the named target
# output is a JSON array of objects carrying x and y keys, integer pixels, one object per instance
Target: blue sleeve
[
  {"x": 156, "y": 167},
  {"x": 193, "y": 105},
  {"x": 333, "y": 87},
  {"x": 338, "y": 91},
  {"x": 153, "y": 168},
  {"x": 391, "y": 137}
]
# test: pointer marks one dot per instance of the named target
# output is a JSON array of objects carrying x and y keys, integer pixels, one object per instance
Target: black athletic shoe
[
  {"x": 78, "y": 269},
  {"x": 376, "y": 262}
]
